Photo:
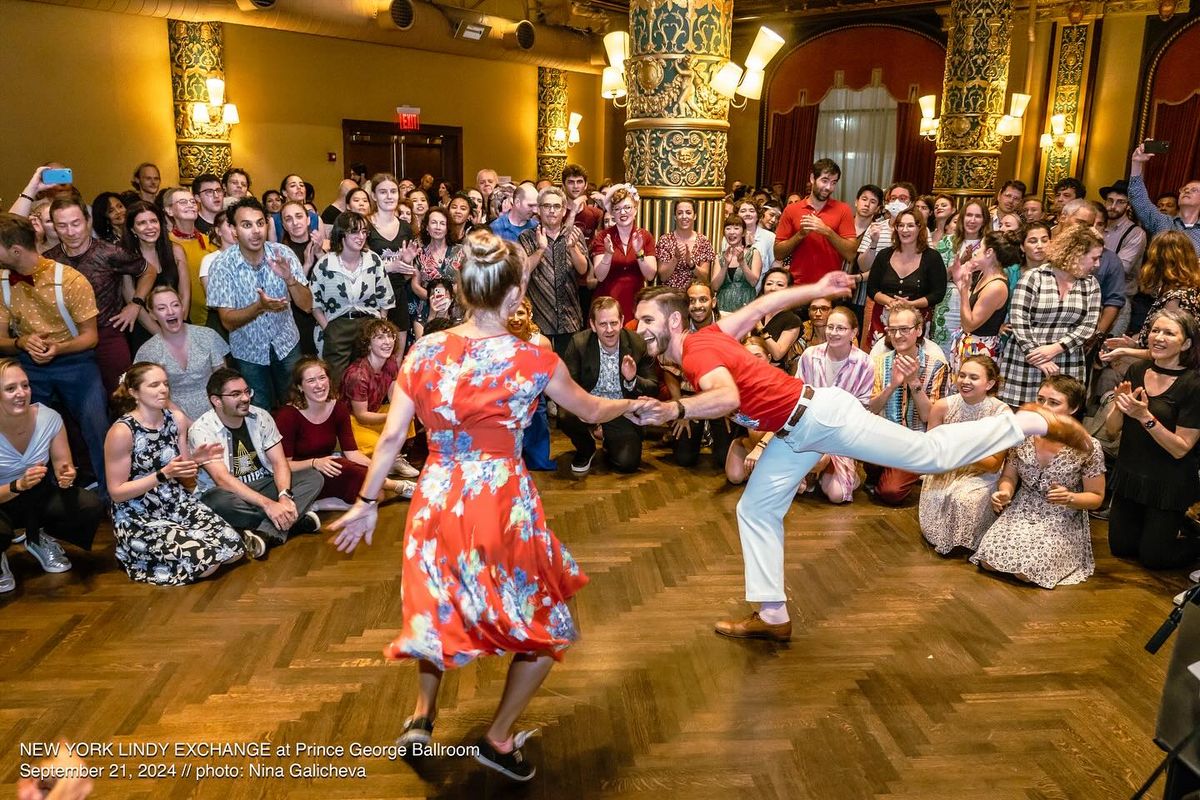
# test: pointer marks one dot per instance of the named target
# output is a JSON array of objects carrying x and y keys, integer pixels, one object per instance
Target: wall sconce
[
  {"x": 570, "y": 134},
  {"x": 1058, "y": 137},
  {"x": 732, "y": 81},
  {"x": 1008, "y": 127},
  {"x": 573, "y": 129},
  {"x": 216, "y": 110},
  {"x": 612, "y": 79},
  {"x": 930, "y": 122}
]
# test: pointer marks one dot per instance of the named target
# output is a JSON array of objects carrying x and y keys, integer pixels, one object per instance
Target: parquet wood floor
[{"x": 909, "y": 675}]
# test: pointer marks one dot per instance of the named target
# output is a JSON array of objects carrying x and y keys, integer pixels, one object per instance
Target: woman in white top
[
  {"x": 188, "y": 353},
  {"x": 350, "y": 286},
  {"x": 757, "y": 236},
  {"x": 37, "y": 480},
  {"x": 962, "y": 246},
  {"x": 955, "y": 506}
]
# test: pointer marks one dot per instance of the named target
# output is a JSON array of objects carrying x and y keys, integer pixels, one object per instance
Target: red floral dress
[{"x": 483, "y": 575}]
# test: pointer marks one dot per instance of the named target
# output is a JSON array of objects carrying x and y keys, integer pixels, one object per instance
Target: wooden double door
[{"x": 383, "y": 147}]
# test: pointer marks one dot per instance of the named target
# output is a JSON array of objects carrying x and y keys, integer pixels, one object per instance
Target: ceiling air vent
[
  {"x": 523, "y": 35},
  {"x": 402, "y": 14},
  {"x": 255, "y": 5}
]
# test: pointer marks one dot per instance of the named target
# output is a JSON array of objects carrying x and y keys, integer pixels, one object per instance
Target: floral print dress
[
  {"x": 482, "y": 573},
  {"x": 167, "y": 536},
  {"x": 1047, "y": 543},
  {"x": 956, "y": 506}
]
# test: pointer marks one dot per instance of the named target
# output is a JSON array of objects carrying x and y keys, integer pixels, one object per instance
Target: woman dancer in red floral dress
[{"x": 483, "y": 575}]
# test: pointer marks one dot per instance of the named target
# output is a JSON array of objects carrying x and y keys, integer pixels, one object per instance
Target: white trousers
[{"x": 835, "y": 422}]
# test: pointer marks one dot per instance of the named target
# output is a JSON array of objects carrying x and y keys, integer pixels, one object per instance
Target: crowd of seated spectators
[{"x": 214, "y": 367}]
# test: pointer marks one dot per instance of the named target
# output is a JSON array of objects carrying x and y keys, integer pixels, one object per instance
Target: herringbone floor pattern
[{"x": 909, "y": 675}]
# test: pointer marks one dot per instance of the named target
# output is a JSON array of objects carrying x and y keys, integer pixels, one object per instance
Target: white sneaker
[
  {"x": 402, "y": 469},
  {"x": 49, "y": 553},
  {"x": 7, "y": 581},
  {"x": 405, "y": 489},
  {"x": 1194, "y": 577}
]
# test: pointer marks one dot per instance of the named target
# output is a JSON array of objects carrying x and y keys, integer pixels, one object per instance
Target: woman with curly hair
[
  {"x": 1170, "y": 279},
  {"x": 623, "y": 255},
  {"x": 108, "y": 217},
  {"x": 1055, "y": 308}
]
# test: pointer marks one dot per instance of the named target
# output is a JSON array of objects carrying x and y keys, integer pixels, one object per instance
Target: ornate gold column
[
  {"x": 977, "y": 53},
  {"x": 1071, "y": 55},
  {"x": 677, "y": 127},
  {"x": 197, "y": 53},
  {"x": 552, "y": 119}
]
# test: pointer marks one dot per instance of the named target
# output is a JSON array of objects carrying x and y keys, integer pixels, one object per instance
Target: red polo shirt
[{"x": 815, "y": 256}]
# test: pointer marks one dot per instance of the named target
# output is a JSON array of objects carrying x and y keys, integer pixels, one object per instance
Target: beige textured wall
[
  {"x": 95, "y": 93},
  {"x": 1116, "y": 97},
  {"x": 88, "y": 89}
]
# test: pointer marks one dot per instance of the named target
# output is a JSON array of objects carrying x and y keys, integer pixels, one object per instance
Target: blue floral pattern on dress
[{"x": 482, "y": 573}]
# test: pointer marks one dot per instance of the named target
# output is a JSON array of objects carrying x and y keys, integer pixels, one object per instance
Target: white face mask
[{"x": 895, "y": 207}]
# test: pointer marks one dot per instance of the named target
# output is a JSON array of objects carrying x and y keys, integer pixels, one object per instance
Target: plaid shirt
[{"x": 1040, "y": 317}]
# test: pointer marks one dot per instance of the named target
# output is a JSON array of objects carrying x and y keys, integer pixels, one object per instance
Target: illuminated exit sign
[{"x": 408, "y": 118}]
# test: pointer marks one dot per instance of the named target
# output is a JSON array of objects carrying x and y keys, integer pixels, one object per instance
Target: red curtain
[
  {"x": 1180, "y": 125},
  {"x": 914, "y": 153},
  {"x": 790, "y": 151}
]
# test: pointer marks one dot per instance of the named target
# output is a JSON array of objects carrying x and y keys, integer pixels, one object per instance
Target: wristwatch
[
  {"x": 158, "y": 473},
  {"x": 682, "y": 413},
  {"x": 287, "y": 493},
  {"x": 137, "y": 301},
  {"x": 12, "y": 487},
  {"x": 1150, "y": 423}
]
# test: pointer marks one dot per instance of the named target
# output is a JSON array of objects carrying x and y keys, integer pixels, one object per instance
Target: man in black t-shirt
[{"x": 252, "y": 487}]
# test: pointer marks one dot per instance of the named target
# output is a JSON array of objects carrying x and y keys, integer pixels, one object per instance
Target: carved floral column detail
[
  {"x": 976, "y": 79},
  {"x": 551, "y": 121},
  {"x": 197, "y": 52},
  {"x": 677, "y": 128}
]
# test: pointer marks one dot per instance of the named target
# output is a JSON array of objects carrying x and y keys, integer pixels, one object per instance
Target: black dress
[
  {"x": 306, "y": 323},
  {"x": 1151, "y": 489},
  {"x": 377, "y": 243},
  {"x": 784, "y": 321},
  {"x": 1145, "y": 472}
]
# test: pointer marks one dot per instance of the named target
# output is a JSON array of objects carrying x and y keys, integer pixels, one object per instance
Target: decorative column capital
[
  {"x": 676, "y": 133},
  {"x": 973, "y": 91}
]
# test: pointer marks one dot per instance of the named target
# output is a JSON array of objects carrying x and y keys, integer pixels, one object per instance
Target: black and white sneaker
[
  {"x": 254, "y": 543},
  {"x": 417, "y": 730},
  {"x": 308, "y": 523},
  {"x": 511, "y": 764},
  {"x": 581, "y": 465}
]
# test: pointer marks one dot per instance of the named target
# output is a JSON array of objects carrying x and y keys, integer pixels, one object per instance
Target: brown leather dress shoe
[
  {"x": 1062, "y": 428},
  {"x": 753, "y": 627}
]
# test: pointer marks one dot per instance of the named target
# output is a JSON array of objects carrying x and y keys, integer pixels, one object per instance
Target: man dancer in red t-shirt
[{"x": 807, "y": 422}]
